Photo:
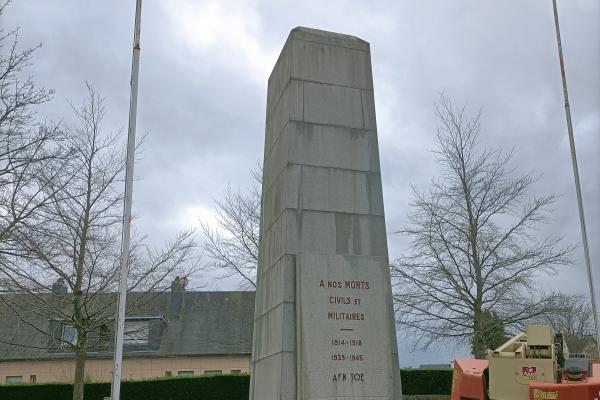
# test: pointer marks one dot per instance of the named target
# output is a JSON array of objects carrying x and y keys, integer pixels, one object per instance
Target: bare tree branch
[
  {"x": 76, "y": 236},
  {"x": 232, "y": 245},
  {"x": 474, "y": 255}
]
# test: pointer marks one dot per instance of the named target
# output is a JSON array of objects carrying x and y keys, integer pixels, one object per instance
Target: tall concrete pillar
[{"x": 324, "y": 326}]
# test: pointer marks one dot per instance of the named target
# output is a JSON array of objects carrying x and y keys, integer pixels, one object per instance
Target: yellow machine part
[
  {"x": 509, "y": 378},
  {"x": 518, "y": 362}
]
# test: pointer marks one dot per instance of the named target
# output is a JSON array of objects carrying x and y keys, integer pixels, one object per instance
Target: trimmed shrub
[
  {"x": 51, "y": 391},
  {"x": 426, "y": 381},
  {"x": 229, "y": 387}
]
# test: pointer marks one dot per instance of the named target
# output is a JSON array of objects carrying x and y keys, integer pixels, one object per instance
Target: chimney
[
  {"x": 59, "y": 287},
  {"x": 176, "y": 300}
]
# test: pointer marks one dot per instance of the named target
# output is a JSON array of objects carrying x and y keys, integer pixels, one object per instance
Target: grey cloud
[{"x": 205, "y": 110}]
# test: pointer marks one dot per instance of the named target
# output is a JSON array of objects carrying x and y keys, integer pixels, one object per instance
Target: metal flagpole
[
  {"x": 120, "y": 318},
  {"x": 586, "y": 249}
]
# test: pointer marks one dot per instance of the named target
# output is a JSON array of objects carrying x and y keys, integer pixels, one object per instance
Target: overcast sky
[{"x": 203, "y": 83}]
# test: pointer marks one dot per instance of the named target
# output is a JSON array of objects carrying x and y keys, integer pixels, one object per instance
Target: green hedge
[
  {"x": 230, "y": 387},
  {"x": 426, "y": 381},
  {"x": 225, "y": 387}
]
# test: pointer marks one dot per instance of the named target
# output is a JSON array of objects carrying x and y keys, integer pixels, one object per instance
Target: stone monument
[{"x": 323, "y": 325}]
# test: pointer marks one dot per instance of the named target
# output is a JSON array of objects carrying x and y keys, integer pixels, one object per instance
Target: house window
[
  {"x": 103, "y": 336},
  {"x": 136, "y": 332},
  {"x": 69, "y": 334},
  {"x": 168, "y": 373},
  {"x": 236, "y": 371},
  {"x": 14, "y": 379},
  {"x": 32, "y": 378},
  {"x": 185, "y": 373},
  {"x": 213, "y": 372}
]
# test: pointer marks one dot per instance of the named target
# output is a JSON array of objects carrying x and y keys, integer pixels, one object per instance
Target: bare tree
[
  {"x": 474, "y": 249},
  {"x": 232, "y": 245},
  {"x": 26, "y": 147},
  {"x": 575, "y": 321},
  {"x": 76, "y": 237}
]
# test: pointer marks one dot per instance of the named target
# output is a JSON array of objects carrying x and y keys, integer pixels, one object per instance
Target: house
[
  {"x": 584, "y": 345},
  {"x": 173, "y": 333}
]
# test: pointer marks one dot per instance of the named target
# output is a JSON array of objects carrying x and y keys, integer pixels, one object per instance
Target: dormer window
[
  {"x": 136, "y": 332},
  {"x": 69, "y": 334}
]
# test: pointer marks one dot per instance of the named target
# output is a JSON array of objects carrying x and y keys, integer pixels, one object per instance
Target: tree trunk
[
  {"x": 80, "y": 355},
  {"x": 479, "y": 348},
  {"x": 478, "y": 343}
]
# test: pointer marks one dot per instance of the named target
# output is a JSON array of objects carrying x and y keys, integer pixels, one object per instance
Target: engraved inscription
[{"x": 344, "y": 309}]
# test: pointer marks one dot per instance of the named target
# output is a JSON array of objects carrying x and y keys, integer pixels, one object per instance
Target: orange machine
[
  {"x": 575, "y": 385},
  {"x": 531, "y": 366},
  {"x": 468, "y": 380}
]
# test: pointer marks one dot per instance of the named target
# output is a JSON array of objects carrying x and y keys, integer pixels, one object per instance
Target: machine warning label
[
  {"x": 529, "y": 373},
  {"x": 544, "y": 395}
]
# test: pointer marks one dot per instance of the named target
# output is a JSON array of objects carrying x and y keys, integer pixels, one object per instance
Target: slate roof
[{"x": 190, "y": 323}]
